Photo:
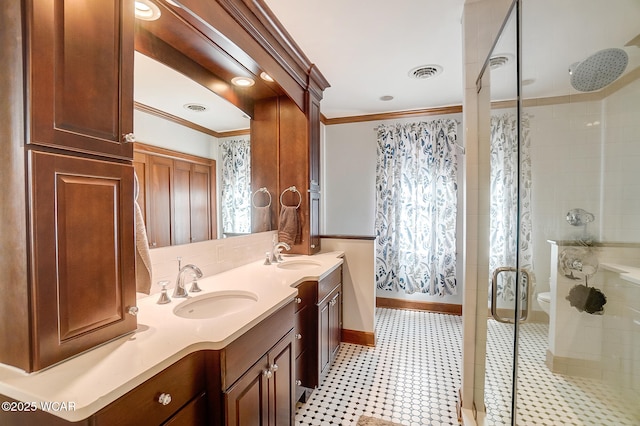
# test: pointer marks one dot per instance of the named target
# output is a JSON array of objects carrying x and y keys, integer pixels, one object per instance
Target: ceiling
[{"x": 366, "y": 48}]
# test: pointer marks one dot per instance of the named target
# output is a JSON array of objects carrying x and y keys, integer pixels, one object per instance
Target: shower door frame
[{"x": 515, "y": 9}]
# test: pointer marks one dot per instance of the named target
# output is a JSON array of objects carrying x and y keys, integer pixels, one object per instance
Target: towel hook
[
  {"x": 263, "y": 189},
  {"x": 292, "y": 189}
]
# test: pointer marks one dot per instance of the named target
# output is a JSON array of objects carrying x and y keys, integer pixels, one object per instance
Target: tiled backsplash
[{"x": 212, "y": 257}]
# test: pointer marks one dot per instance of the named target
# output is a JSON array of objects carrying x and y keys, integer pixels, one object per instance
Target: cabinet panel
[
  {"x": 246, "y": 403},
  {"x": 281, "y": 361},
  {"x": 159, "y": 211},
  {"x": 81, "y": 75},
  {"x": 83, "y": 233},
  {"x": 324, "y": 351},
  {"x": 200, "y": 203},
  {"x": 181, "y": 202}
]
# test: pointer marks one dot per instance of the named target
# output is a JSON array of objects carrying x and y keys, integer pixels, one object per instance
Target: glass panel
[
  {"x": 579, "y": 350},
  {"x": 500, "y": 168}
]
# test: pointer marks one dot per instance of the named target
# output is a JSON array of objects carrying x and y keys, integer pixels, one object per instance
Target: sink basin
[
  {"x": 215, "y": 305},
  {"x": 298, "y": 264}
]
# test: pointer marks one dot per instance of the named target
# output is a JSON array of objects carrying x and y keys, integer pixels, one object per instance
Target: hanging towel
[
  {"x": 262, "y": 217},
  {"x": 143, "y": 258},
  {"x": 289, "y": 228}
]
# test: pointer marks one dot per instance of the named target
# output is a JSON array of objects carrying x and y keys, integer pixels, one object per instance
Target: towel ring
[
  {"x": 292, "y": 189},
  {"x": 263, "y": 189}
]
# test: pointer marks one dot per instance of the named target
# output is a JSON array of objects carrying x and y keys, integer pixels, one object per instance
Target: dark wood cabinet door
[
  {"x": 181, "y": 202},
  {"x": 83, "y": 277},
  {"x": 281, "y": 360},
  {"x": 200, "y": 204},
  {"x": 335, "y": 323},
  {"x": 324, "y": 351},
  {"x": 247, "y": 401},
  {"x": 80, "y": 68},
  {"x": 160, "y": 205}
]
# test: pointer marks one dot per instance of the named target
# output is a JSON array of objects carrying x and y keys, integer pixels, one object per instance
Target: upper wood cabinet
[
  {"x": 80, "y": 81},
  {"x": 297, "y": 149}
]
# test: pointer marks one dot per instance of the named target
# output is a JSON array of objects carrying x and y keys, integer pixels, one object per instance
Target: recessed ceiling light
[
  {"x": 386, "y": 98},
  {"x": 146, "y": 10},
  {"x": 196, "y": 107},
  {"x": 242, "y": 81},
  {"x": 266, "y": 77},
  {"x": 423, "y": 72}
]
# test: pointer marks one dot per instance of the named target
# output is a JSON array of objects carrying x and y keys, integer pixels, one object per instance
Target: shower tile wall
[{"x": 585, "y": 154}]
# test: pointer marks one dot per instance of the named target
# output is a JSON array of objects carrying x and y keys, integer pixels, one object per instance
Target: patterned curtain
[
  {"x": 504, "y": 202},
  {"x": 236, "y": 186},
  {"x": 416, "y": 204}
]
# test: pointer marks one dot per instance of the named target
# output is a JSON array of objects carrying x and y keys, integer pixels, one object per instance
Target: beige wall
[{"x": 359, "y": 302}]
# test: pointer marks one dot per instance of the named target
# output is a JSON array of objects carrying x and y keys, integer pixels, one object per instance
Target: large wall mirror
[{"x": 186, "y": 103}]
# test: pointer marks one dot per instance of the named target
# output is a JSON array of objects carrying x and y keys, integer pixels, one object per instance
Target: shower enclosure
[{"x": 560, "y": 155}]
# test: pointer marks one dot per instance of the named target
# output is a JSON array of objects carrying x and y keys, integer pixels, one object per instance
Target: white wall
[
  {"x": 159, "y": 132},
  {"x": 348, "y": 188}
]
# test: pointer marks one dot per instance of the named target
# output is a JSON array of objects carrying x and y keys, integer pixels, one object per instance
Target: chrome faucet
[
  {"x": 276, "y": 254},
  {"x": 180, "y": 290}
]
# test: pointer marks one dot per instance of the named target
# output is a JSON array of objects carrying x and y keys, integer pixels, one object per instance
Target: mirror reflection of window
[{"x": 235, "y": 197}]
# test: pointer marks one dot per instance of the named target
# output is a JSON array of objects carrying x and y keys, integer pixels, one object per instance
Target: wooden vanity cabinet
[
  {"x": 318, "y": 330},
  {"x": 255, "y": 375}
]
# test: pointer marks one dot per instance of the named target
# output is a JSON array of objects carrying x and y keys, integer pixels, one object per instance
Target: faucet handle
[
  {"x": 195, "y": 288},
  {"x": 164, "y": 297}
]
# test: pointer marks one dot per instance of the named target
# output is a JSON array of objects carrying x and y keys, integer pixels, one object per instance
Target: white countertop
[
  {"x": 96, "y": 378},
  {"x": 627, "y": 273}
]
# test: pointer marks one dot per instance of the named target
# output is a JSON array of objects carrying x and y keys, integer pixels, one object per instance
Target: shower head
[{"x": 598, "y": 70}]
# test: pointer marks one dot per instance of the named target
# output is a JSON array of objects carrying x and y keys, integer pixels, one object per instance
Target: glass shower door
[
  {"x": 500, "y": 167},
  {"x": 563, "y": 335}
]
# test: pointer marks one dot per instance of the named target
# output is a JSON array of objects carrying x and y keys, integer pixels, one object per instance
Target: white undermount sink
[
  {"x": 215, "y": 305},
  {"x": 298, "y": 264}
]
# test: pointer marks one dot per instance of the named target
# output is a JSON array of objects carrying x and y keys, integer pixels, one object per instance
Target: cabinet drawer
[
  {"x": 182, "y": 381},
  {"x": 328, "y": 283},
  {"x": 306, "y": 294},
  {"x": 194, "y": 413}
]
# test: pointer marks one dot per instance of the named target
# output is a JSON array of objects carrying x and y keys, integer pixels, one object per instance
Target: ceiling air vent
[
  {"x": 425, "y": 71},
  {"x": 499, "y": 61},
  {"x": 196, "y": 107}
]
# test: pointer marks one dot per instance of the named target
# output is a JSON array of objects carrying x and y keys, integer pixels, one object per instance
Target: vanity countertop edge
[{"x": 96, "y": 378}]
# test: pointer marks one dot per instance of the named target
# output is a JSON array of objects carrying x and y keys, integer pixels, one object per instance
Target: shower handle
[{"x": 494, "y": 294}]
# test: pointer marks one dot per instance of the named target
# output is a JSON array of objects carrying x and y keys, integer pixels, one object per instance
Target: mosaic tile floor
[{"x": 412, "y": 377}]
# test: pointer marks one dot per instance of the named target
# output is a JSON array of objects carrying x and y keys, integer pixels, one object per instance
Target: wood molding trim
[
  {"x": 442, "y": 308},
  {"x": 191, "y": 125},
  {"x": 391, "y": 115},
  {"x": 168, "y": 153},
  {"x": 356, "y": 337}
]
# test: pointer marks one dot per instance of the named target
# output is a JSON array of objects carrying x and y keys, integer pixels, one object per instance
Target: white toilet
[{"x": 544, "y": 300}]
